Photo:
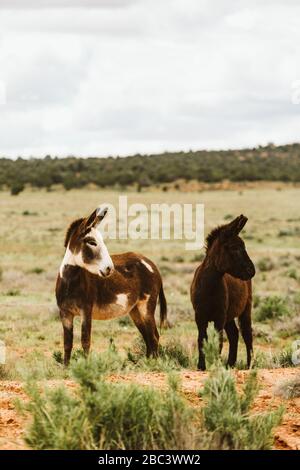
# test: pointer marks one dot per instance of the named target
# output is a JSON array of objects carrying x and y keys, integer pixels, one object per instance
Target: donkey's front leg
[
  {"x": 202, "y": 335},
  {"x": 86, "y": 327},
  {"x": 67, "y": 322}
]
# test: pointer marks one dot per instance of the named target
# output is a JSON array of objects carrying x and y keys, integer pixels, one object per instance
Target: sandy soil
[{"x": 287, "y": 435}]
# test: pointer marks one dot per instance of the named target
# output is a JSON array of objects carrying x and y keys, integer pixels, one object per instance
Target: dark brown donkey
[
  {"x": 221, "y": 289},
  {"x": 96, "y": 286}
]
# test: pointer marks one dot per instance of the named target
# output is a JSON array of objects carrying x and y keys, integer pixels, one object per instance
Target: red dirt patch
[{"x": 11, "y": 423}]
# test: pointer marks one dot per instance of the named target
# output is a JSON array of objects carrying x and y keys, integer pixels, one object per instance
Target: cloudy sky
[{"x": 117, "y": 77}]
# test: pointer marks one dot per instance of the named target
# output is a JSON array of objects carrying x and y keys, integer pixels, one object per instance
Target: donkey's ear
[
  {"x": 100, "y": 214},
  {"x": 91, "y": 219},
  {"x": 96, "y": 217},
  {"x": 237, "y": 225},
  {"x": 241, "y": 223},
  {"x": 233, "y": 228}
]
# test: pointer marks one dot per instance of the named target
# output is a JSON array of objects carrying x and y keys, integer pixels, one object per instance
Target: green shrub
[
  {"x": 256, "y": 300},
  {"x": 288, "y": 327},
  {"x": 125, "y": 321},
  {"x": 104, "y": 415},
  {"x": 166, "y": 270},
  {"x": 178, "y": 259},
  {"x": 226, "y": 414},
  {"x": 292, "y": 232},
  {"x": 4, "y": 372},
  {"x": 58, "y": 357},
  {"x": 211, "y": 348},
  {"x": 263, "y": 360},
  {"x": 29, "y": 213},
  {"x": 13, "y": 293},
  {"x": 289, "y": 389},
  {"x": 285, "y": 261},
  {"x": 292, "y": 273},
  {"x": 248, "y": 236},
  {"x": 100, "y": 414},
  {"x": 284, "y": 358},
  {"x": 263, "y": 332},
  {"x": 285, "y": 233},
  {"x": 171, "y": 356},
  {"x": 268, "y": 360},
  {"x": 198, "y": 258},
  {"x": 175, "y": 351},
  {"x": 271, "y": 308},
  {"x": 16, "y": 188},
  {"x": 37, "y": 366},
  {"x": 265, "y": 264},
  {"x": 297, "y": 298},
  {"x": 36, "y": 271}
]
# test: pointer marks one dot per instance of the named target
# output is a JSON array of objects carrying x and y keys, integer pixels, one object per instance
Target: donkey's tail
[{"x": 163, "y": 309}]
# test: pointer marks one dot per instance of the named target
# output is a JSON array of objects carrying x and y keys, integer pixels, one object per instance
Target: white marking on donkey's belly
[
  {"x": 122, "y": 300},
  {"x": 116, "y": 309}
]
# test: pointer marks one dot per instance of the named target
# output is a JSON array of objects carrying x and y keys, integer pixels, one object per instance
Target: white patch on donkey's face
[
  {"x": 105, "y": 263},
  {"x": 101, "y": 266}
]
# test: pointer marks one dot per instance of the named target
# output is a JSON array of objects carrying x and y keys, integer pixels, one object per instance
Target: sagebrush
[{"x": 101, "y": 414}]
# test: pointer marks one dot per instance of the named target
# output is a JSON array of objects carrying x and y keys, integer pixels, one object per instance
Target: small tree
[
  {"x": 143, "y": 182},
  {"x": 16, "y": 188}
]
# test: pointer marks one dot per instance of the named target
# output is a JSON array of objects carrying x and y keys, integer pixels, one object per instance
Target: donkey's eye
[{"x": 90, "y": 241}]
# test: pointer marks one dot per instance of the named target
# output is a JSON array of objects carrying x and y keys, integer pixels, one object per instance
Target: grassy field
[{"x": 31, "y": 244}]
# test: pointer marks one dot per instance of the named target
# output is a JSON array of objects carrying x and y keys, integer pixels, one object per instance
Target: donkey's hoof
[{"x": 230, "y": 366}]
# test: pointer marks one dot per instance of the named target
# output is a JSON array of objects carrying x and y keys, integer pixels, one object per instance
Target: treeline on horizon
[{"x": 269, "y": 163}]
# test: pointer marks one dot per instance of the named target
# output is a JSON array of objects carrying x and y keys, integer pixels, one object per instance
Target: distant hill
[{"x": 271, "y": 163}]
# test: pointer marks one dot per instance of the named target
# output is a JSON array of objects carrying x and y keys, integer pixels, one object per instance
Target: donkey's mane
[
  {"x": 213, "y": 235},
  {"x": 73, "y": 226}
]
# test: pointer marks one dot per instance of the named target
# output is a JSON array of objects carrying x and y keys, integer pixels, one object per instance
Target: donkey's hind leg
[
  {"x": 246, "y": 330},
  {"x": 67, "y": 322},
  {"x": 145, "y": 323},
  {"x": 233, "y": 338}
]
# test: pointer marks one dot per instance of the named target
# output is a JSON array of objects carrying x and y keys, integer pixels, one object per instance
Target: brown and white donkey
[{"x": 95, "y": 285}]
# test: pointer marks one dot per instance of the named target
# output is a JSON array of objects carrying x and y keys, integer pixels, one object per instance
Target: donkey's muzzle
[
  {"x": 250, "y": 270},
  {"x": 107, "y": 271}
]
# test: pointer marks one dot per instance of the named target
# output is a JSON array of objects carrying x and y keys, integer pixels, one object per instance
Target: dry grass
[{"x": 31, "y": 248}]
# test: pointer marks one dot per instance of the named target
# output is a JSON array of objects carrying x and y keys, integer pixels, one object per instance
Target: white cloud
[
  {"x": 119, "y": 77},
  {"x": 42, "y": 4}
]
